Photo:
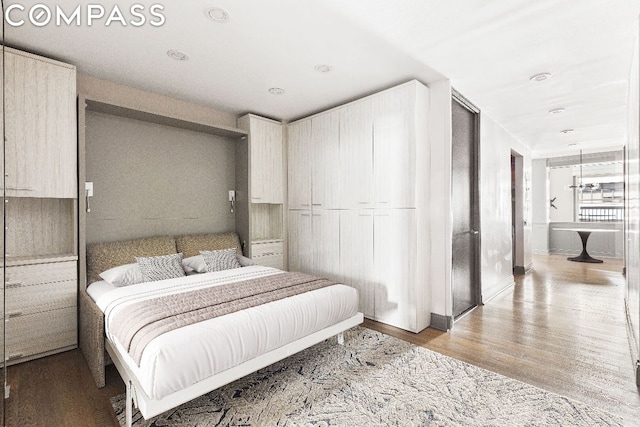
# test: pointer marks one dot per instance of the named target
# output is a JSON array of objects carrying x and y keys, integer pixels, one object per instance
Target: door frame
[{"x": 465, "y": 103}]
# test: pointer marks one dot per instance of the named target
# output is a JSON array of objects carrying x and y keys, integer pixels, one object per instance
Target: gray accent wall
[{"x": 151, "y": 179}]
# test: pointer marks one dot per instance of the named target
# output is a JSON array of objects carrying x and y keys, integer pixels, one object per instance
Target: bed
[{"x": 198, "y": 355}]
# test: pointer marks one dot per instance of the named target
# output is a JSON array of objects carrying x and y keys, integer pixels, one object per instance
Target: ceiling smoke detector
[
  {"x": 276, "y": 91},
  {"x": 216, "y": 14},
  {"x": 567, "y": 131},
  {"x": 177, "y": 55},
  {"x": 322, "y": 68},
  {"x": 540, "y": 77},
  {"x": 557, "y": 111}
]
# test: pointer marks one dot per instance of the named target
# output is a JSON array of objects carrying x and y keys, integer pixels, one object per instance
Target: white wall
[
  {"x": 440, "y": 142},
  {"x": 633, "y": 204},
  {"x": 540, "y": 208},
  {"x": 495, "y": 206},
  {"x": 559, "y": 179}
]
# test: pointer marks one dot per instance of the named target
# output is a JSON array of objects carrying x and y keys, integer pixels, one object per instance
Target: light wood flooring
[{"x": 561, "y": 328}]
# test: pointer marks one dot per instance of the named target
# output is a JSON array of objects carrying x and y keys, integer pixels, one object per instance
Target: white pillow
[
  {"x": 194, "y": 264},
  {"x": 123, "y": 275},
  {"x": 225, "y": 259},
  {"x": 160, "y": 267}
]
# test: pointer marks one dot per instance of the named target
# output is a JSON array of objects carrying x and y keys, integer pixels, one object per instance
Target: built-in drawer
[
  {"x": 24, "y": 299},
  {"x": 266, "y": 249},
  {"x": 35, "y": 274},
  {"x": 275, "y": 260},
  {"x": 41, "y": 333}
]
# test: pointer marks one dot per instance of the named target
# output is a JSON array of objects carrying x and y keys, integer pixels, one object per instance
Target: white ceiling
[{"x": 487, "y": 48}]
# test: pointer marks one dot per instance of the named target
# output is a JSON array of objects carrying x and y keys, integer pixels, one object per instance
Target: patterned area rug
[{"x": 375, "y": 380}]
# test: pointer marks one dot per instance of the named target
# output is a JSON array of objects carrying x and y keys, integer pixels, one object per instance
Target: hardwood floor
[{"x": 561, "y": 328}]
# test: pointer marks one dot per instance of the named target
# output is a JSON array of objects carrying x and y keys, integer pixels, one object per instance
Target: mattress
[{"x": 185, "y": 356}]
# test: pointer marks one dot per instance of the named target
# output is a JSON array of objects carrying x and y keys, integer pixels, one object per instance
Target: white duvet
[{"x": 182, "y": 357}]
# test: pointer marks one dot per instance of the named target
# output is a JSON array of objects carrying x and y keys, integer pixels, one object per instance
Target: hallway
[{"x": 561, "y": 328}]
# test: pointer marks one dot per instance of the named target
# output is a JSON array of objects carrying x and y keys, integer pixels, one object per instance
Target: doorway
[
  {"x": 465, "y": 207},
  {"x": 517, "y": 214}
]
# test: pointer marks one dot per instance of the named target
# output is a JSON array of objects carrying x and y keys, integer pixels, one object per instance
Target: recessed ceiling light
[
  {"x": 322, "y": 68},
  {"x": 566, "y": 131},
  {"x": 216, "y": 14},
  {"x": 177, "y": 55},
  {"x": 572, "y": 145},
  {"x": 540, "y": 77},
  {"x": 276, "y": 91},
  {"x": 557, "y": 111}
]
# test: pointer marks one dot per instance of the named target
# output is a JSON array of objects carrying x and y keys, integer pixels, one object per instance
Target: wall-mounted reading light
[
  {"x": 232, "y": 199},
  {"x": 88, "y": 192}
]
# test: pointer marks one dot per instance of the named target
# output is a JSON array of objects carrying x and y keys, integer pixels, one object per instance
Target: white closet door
[
  {"x": 394, "y": 147},
  {"x": 356, "y": 256},
  {"x": 300, "y": 241},
  {"x": 326, "y": 243},
  {"x": 266, "y": 161},
  {"x": 395, "y": 258},
  {"x": 299, "y": 165},
  {"x": 326, "y": 160},
  {"x": 356, "y": 155}
]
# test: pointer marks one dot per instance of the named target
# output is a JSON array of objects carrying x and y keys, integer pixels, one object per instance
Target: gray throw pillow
[
  {"x": 160, "y": 267},
  {"x": 224, "y": 259}
]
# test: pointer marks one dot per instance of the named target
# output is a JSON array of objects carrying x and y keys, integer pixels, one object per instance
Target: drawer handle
[
  {"x": 15, "y": 314},
  {"x": 15, "y": 356}
]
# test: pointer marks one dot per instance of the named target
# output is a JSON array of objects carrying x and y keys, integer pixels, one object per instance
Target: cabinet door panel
[
  {"x": 356, "y": 155},
  {"x": 326, "y": 243},
  {"x": 266, "y": 161},
  {"x": 299, "y": 164},
  {"x": 326, "y": 160},
  {"x": 394, "y": 255},
  {"x": 300, "y": 241},
  {"x": 394, "y": 148},
  {"x": 40, "y": 128},
  {"x": 356, "y": 256}
]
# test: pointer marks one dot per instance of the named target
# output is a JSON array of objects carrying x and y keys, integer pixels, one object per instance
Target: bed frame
[{"x": 149, "y": 407}]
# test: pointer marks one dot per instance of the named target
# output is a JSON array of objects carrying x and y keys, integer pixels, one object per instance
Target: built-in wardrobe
[
  {"x": 358, "y": 193},
  {"x": 40, "y": 202}
]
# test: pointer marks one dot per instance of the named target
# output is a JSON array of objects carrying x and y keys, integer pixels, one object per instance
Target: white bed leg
[
  {"x": 129, "y": 405},
  {"x": 341, "y": 338}
]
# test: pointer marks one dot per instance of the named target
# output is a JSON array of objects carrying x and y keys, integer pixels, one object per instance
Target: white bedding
[{"x": 184, "y": 356}]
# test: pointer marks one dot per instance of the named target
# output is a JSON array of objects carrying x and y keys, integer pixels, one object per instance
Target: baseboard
[
  {"x": 440, "y": 322},
  {"x": 506, "y": 284},
  {"x": 523, "y": 270}
]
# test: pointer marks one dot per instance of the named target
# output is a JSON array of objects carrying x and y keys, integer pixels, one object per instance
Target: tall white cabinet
[
  {"x": 41, "y": 206},
  {"x": 260, "y": 190},
  {"x": 358, "y": 192}
]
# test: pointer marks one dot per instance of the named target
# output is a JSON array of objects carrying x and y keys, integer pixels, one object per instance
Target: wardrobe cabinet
[
  {"x": 300, "y": 241},
  {"x": 260, "y": 190},
  {"x": 41, "y": 251},
  {"x": 265, "y": 158},
  {"x": 40, "y": 126},
  {"x": 325, "y": 164},
  {"x": 369, "y": 217},
  {"x": 314, "y": 242},
  {"x": 356, "y": 155},
  {"x": 299, "y": 160},
  {"x": 396, "y": 113}
]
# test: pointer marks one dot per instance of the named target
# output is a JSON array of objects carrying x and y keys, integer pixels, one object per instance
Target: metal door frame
[{"x": 465, "y": 103}]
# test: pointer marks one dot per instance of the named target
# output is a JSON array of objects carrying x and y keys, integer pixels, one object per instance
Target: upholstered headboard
[
  {"x": 192, "y": 244},
  {"x": 103, "y": 256}
]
